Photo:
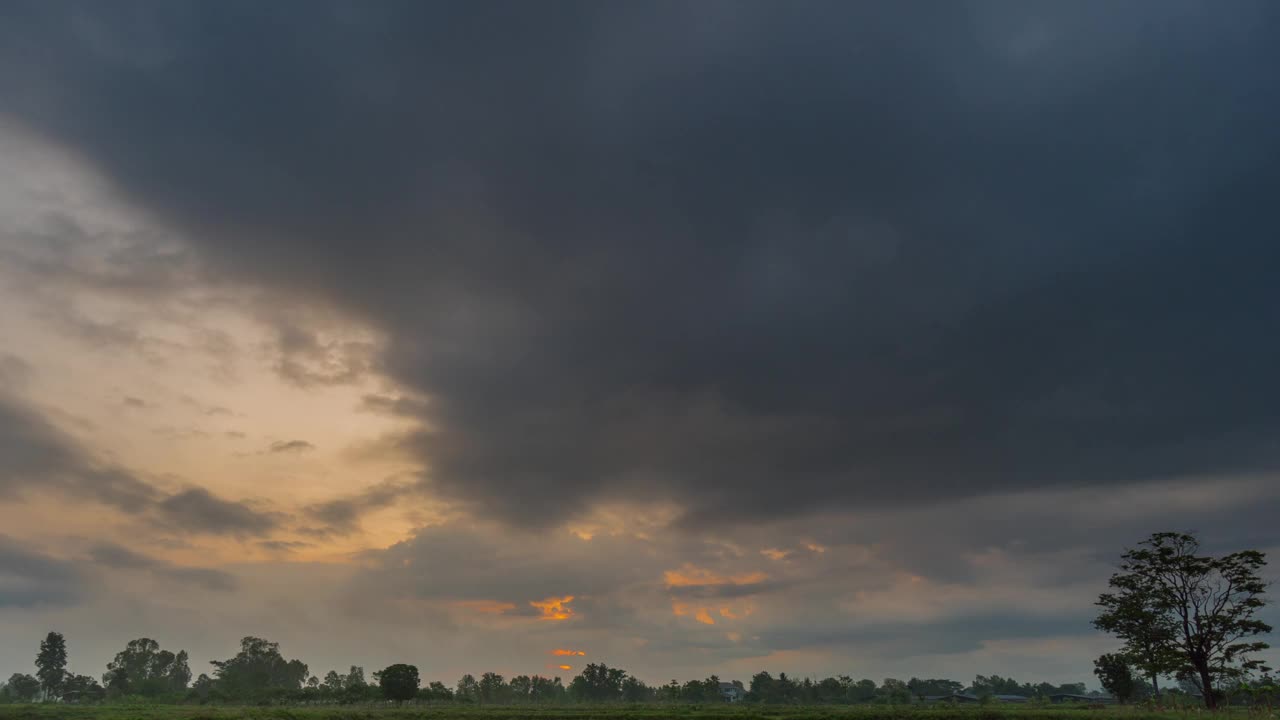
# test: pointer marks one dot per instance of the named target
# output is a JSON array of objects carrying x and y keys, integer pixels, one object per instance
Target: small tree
[
  {"x": 354, "y": 679},
  {"x": 82, "y": 689},
  {"x": 22, "y": 688},
  {"x": 1113, "y": 671},
  {"x": 468, "y": 689},
  {"x": 51, "y": 665},
  {"x": 399, "y": 682},
  {"x": 436, "y": 691},
  {"x": 332, "y": 682},
  {"x": 1149, "y": 633}
]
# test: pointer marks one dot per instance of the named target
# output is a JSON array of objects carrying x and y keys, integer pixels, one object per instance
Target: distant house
[
  {"x": 732, "y": 692},
  {"x": 952, "y": 698},
  {"x": 1070, "y": 698}
]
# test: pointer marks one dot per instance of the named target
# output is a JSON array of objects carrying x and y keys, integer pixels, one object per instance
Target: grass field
[{"x": 650, "y": 712}]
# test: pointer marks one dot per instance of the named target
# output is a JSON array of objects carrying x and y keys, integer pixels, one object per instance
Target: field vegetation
[{"x": 718, "y": 711}]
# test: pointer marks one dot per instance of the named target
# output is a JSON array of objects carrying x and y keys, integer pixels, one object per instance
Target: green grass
[{"x": 622, "y": 712}]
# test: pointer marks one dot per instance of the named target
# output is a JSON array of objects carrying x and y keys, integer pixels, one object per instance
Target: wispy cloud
[{"x": 290, "y": 446}]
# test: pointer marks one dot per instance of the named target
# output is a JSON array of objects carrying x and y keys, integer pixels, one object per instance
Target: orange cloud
[
  {"x": 487, "y": 607},
  {"x": 775, "y": 553},
  {"x": 703, "y": 614},
  {"x": 689, "y": 575},
  {"x": 565, "y": 667},
  {"x": 554, "y": 608},
  {"x": 568, "y": 652}
]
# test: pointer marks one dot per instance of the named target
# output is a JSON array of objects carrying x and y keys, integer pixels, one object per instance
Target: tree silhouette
[
  {"x": 51, "y": 664},
  {"x": 1199, "y": 612},
  {"x": 399, "y": 682},
  {"x": 1113, "y": 672}
]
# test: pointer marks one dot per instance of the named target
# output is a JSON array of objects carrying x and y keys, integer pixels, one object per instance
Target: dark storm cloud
[
  {"x": 757, "y": 258},
  {"x": 1034, "y": 529},
  {"x": 31, "y": 578},
  {"x": 117, "y": 557}
]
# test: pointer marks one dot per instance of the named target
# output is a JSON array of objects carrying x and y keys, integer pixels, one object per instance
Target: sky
[{"x": 690, "y": 337}]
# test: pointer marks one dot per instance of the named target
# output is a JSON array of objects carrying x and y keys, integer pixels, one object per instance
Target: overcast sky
[{"x": 699, "y": 337}]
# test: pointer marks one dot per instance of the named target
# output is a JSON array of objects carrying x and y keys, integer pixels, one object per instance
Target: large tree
[
  {"x": 142, "y": 668},
  {"x": 1197, "y": 612},
  {"x": 399, "y": 682},
  {"x": 51, "y": 664},
  {"x": 598, "y": 683},
  {"x": 257, "y": 669}
]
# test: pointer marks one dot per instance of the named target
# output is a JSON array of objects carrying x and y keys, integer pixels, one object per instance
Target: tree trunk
[
  {"x": 1155, "y": 685},
  {"x": 1206, "y": 685}
]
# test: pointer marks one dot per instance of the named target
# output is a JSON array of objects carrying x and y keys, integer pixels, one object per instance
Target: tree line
[{"x": 260, "y": 674}]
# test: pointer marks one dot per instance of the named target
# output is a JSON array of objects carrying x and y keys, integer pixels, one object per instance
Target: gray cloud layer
[
  {"x": 117, "y": 557},
  {"x": 30, "y": 578},
  {"x": 755, "y": 258},
  {"x": 39, "y": 457},
  {"x": 200, "y": 510}
]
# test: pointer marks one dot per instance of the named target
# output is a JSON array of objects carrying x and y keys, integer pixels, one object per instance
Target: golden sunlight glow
[
  {"x": 196, "y": 387},
  {"x": 691, "y": 576},
  {"x": 704, "y": 617},
  {"x": 775, "y": 553},
  {"x": 568, "y": 652},
  {"x": 554, "y": 608},
  {"x": 565, "y": 667}
]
